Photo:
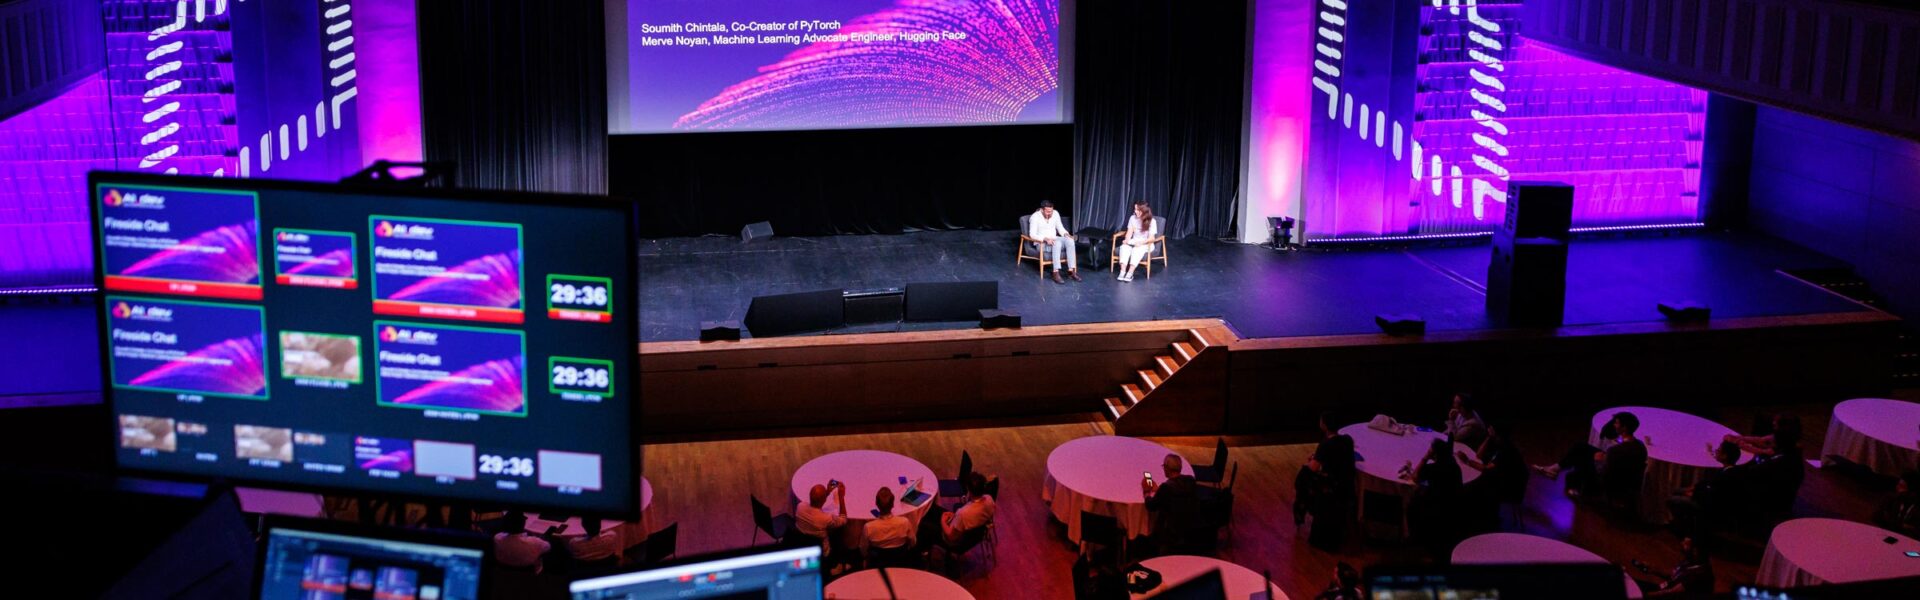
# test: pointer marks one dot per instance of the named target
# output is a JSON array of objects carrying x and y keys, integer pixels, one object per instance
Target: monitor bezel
[
  {"x": 630, "y": 512},
  {"x": 700, "y": 559},
  {"x": 464, "y": 540}
]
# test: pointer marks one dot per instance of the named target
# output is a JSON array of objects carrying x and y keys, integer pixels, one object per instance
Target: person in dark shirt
[
  {"x": 1691, "y": 506},
  {"x": 1324, "y": 487},
  {"x": 1345, "y": 584},
  {"x": 1174, "y": 504},
  {"x": 1901, "y": 513},
  {"x": 1618, "y": 469},
  {"x": 1771, "y": 481},
  {"x": 1434, "y": 511},
  {"x": 1693, "y": 577},
  {"x": 1503, "y": 478}
]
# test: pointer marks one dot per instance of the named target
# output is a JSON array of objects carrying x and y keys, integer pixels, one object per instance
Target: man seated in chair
[
  {"x": 888, "y": 531},
  {"x": 1174, "y": 504},
  {"x": 975, "y": 514},
  {"x": 1045, "y": 227},
  {"x": 814, "y": 521}
]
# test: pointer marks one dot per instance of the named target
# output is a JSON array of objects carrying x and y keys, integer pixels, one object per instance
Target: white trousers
[
  {"x": 1132, "y": 255},
  {"x": 1072, "y": 251}
]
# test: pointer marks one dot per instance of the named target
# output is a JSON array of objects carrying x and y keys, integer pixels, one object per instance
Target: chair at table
[
  {"x": 764, "y": 520},
  {"x": 1102, "y": 531},
  {"x": 957, "y": 487},
  {"x": 1027, "y": 244},
  {"x": 1217, "y": 504},
  {"x": 960, "y": 547},
  {"x": 661, "y": 545},
  {"x": 1213, "y": 473},
  {"x": 904, "y": 557},
  {"x": 1159, "y": 242}
]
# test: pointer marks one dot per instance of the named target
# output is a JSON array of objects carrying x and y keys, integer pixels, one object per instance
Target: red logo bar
[
  {"x": 200, "y": 289},
  {"x": 568, "y": 314},
  {"x": 448, "y": 311},
  {"x": 332, "y": 283}
]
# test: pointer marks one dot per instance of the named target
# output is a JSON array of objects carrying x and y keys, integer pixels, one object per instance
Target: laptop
[
  {"x": 308, "y": 559},
  {"x": 773, "y": 574}
]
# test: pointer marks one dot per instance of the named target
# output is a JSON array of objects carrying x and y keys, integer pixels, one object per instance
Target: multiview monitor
[{"x": 428, "y": 344}]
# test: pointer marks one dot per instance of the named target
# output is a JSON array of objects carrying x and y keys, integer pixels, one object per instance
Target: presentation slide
[
  {"x": 397, "y": 367},
  {"x": 692, "y": 65}
]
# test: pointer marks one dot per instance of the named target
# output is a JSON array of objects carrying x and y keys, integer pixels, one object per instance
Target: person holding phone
[
  {"x": 1175, "y": 504},
  {"x": 814, "y": 521}
]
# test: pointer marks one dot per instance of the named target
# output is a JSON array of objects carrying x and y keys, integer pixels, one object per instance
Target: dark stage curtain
[
  {"x": 1160, "y": 88},
  {"x": 514, "y": 92},
  {"x": 816, "y": 183}
]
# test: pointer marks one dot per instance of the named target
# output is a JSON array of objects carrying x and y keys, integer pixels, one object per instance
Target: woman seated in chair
[{"x": 1141, "y": 231}]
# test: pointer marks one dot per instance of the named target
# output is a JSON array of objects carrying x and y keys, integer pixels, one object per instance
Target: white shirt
[
  {"x": 1133, "y": 230},
  {"x": 597, "y": 547},
  {"x": 970, "y": 516},
  {"x": 816, "y": 522},
  {"x": 519, "y": 549},
  {"x": 1040, "y": 228},
  {"x": 890, "y": 531}
]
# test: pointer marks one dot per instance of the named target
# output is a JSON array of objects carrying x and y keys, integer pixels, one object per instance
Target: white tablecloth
[
  {"x": 1677, "y": 453},
  {"x": 1520, "y": 548},
  {"x": 908, "y": 584},
  {"x": 1386, "y": 453},
  {"x": 1101, "y": 475},
  {"x": 276, "y": 502},
  {"x": 1882, "y": 435},
  {"x": 864, "y": 472},
  {"x": 630, "y": 533},
  {"x": 1815, "y": 551},
  {"x": 1241, "y": 582}
]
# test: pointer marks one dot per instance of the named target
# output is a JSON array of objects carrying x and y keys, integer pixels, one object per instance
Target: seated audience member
[
  {"x": 1503, "y": 478},
  {"x": 1434, "y": 511},
  {"x": 975, "y": 514},
  {"x": 1763, "y": 446},
  {"x": 1901, "y": 513},
  {"x": 514, "y": 547},
  {"x": 1772, "y": 479},
  {"x": 1174, "y": 504},
  {"x": 814, "y": 521},
  {"x": 1693, "y": 577},
  {"x": 1345, "y": 584},
  {"x": 1692, "y": 506},
  {"x": 888, "y": 530},
  {"x": 1324, "y": 487},
  {"x": 1464, "y": 424},
  {"x": 1617, "y": 469},
  {"x": 597, "y": 546}
]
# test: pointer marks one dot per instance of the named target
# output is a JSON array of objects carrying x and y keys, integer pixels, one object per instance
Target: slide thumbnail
[
  {"x": 308, "y": 355},
  {"x": 184, "y": 242},
  {"x": 383, "y": 455},
  {"x": 569, "y": 470},
  {"x": 325, "y": 577},
  {"x": 187, "y": 347},
  {"x": 443, "y": 459},
  {"x": 264, "y": 443},
  {"x": 322, "y": 259},
  {"x": 147, "y": 433},
  {"x": 450, "y": 367},
  {"x": 461, "y": 270}
]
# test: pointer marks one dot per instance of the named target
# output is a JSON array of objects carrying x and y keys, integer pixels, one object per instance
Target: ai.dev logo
[{"x": 122, "y": 311}]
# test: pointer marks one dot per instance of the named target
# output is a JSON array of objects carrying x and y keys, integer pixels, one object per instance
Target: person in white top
[
  {"x": 976, "y": 513},
  {"x": 813, "y": 520},
  {"x": 599, "y": 544},
  {"x": 1045, "y": 226},
  {"x": 888, "y": 530},
  {"x": 514, "y": 547},
  {"x": 1141, "y": 230}
]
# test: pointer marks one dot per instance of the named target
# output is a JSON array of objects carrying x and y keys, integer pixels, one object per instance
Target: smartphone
[
  {"x": 1147, "y": 474},
  {"x": 1912, "y": 554}
]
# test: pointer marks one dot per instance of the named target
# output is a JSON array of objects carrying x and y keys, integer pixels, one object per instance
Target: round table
[
  {"x": 1241, "y": 582},
  {"x": 908, "y": 584},
  {"x": 1385, "y": 453},
  {"x": 1677, "y": 453},
  {"x": 864, "y": 472},
  {"x": 1815, "y": 551},
  {"x": 1520, "y": 548},
  {"x": 630, "y": 533},
  {"x": 1101, "y": 475},
  {"x": 1879, "y": 434}
]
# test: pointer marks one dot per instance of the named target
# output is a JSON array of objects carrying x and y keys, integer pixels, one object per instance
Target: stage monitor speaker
[
  {"x": 1401, "y": 324},
  {"x": 804, "y": 312},
  {"x": 1686, "y": 312},
  {"x": 951, "y": 301},
  {"x": 756, "y": 231},
  {"x": 999, "y": 319},
  {"x": 1527, "y": 281},
  {"x": 875, "y": 306},
  {"x": 719, "y": 331},
  {"x": 1539, "y": 209}
]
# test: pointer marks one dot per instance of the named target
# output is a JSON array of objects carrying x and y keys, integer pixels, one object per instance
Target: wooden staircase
[{"x": 1180, "y": 355}]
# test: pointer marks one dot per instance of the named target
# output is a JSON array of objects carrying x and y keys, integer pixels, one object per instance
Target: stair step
[
  {"x": 1115, "y": 407},
  {"x": 1132, "y": 393},
  {"x": 1149, "y": 378},
  {"x": 1166, "y": 366},
  {"x": 1183, "y": 352},
  {"x": 1200, "y": 340}
]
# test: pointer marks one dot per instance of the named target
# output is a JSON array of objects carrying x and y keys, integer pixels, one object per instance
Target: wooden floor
[{"x": 704, "y": 485}]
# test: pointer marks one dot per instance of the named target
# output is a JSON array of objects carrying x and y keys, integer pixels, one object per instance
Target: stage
[{"x": 1259, "y": 292}]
